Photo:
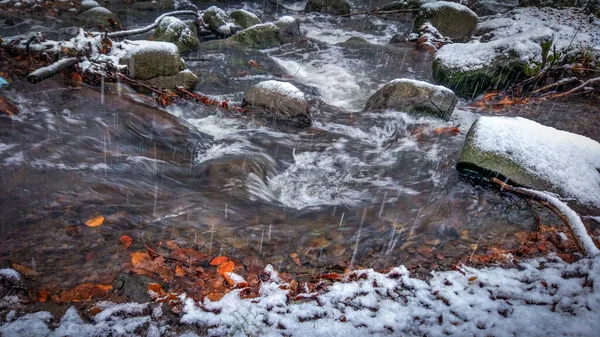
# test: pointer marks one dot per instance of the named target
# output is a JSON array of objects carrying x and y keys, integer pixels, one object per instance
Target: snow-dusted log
[
  {"x": 142, "y": 30},
  {"x": 51, "y": 70},
  {"x": 571, "y": 218}
]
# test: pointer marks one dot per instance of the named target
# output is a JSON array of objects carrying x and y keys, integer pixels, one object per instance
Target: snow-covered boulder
[
  {"x": 507, "y": 45},
  {"x": 173, "y": 30},
  {"x": 186, "y": 79},
  {"x": 149, "y": 59},
  {"x": 533, "y": 155},
  {"x": 219, "y": 22},
  {"x": 335, "y": 7},
  {"x": 244, "y": 18},
  {"x": 414, "y": 97},
  {"x": 403, "y": 5},
  {"x": 265, "y": 35},
  {"x": 280, "y": 99},
  {"x": 455, "y": 21},
  {"x": 288, "y": 26},
  {"x": 95, "y": 16}
]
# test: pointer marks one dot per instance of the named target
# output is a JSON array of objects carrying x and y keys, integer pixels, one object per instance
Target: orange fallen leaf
[
  {"x": 179, "y": 271},
  {"x": 95, "y": 222},
  {"x": 215, "y": 296},
  {"x": 126, "y": 240},
  {"x": 156, "y": 288},
  {"x": 452, "y": 129},
  {"x": 226, "y": 267},
  {"x": 219, "y": 260},
  {"x": 77, "y": 78},
  {"x": 43, "y": 297},
  {"x": 472, "y": 278},
  {"x": 137, "y": 257}
]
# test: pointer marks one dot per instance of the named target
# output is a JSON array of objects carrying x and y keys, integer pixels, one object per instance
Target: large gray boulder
[
  {"x": 95, "y": 16},
  {"x": 87, "y": 4},
  {"x": 414, "y": 97},
  {"x": 265, "y": 35},
  {"x": 171, "y": 29},
  {"x": 523, "y": 152},
  {"x": 244, "y": 18},
  {"x": 335, "y": 7},
  {"x": 280, "y": 99},
  {"x": 149, "y": 59},
  {"x": 455, "y": 21},
  {"x": 219, "y": 22}
]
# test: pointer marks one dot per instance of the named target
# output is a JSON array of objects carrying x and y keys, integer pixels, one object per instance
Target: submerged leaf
[{"x": 95, "y": 222}]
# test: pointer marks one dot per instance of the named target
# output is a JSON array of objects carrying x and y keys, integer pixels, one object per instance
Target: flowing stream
[{"x": 363, "y": 189}]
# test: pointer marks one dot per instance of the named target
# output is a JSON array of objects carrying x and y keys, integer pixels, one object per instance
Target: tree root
[{"x": 582, "y": 239}]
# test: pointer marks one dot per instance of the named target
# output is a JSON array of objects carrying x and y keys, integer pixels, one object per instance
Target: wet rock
[
  {"x": 95, "y": 16},
  {"x": 354, "y": 42},
  {"x": 279, "y": 99},
  {"x": 133, "y": 286},
  {"x": 185, "y": 78},
  {"x": 259, "y": 36},
  {"x": 402, "y": 5},
  {"x": 484, "y": 8},
  {"x": 244, "y": 18},
  {"x": 176, "y": 31},
  {"x": 455, "y": 21},
  {"x": 219, "y": 22},
  {"x": 87, "y": 4},
  {"x": 288, "y": 26},
  {"x": 151, "y": 59},
  {"x": 335, "y": 7},
  {"x": 504, "y": 70},
  {"x": 398, "y": 38},
  {"x": 414, "y": 97}
]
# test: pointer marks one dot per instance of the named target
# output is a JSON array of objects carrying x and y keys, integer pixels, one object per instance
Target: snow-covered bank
[{"x": 540, "y": 297}]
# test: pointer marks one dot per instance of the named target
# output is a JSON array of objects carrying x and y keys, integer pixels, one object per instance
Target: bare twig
[
  {"x": 579, "y": 89},
  {"x": 556, "y": 84},
  {"x": 573, "y": 221}
]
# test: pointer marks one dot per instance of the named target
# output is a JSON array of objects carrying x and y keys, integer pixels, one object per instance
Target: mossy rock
[
  {"x": 259, "y": 36},
  {"x": 475, "y": 163},
  {"x": 244, "y": 18},
  {"x": 152, "y": 59},
  {"x": 335, "y": 7},
  {"x": 219, "y": 22},
  {"x": 185, "y": 79},
  {"x": 452, "y": 20},
  {"x": 504, "y": 71},
  {"x": 95, "y": 16},
  {"x": 176, "y": 31}
]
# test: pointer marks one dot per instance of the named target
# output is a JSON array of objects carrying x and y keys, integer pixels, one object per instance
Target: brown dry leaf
[
  {"x": 95, "y": 222},
  {"x": 77, "y": 78},
  {"x": 137, "y": 257},
  {"x": 126, "y": 240},
  {"x": 295, "y": 258},
  {"x": 156, "y": 288},
  {"x": 215, "y": 296},
  {"x": 219, "y": 260},
  {"x": 84, "y": 292},
  {"x": 25, "y": 271},
  {"x": 226, "y": 267},
  {"x": 7, "y": 107},
  {"x": 472, "y": 278},
  {"x": 179, "y": 271}
]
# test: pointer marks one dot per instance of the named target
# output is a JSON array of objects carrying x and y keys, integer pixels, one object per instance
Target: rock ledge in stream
[
  {"x": 244, "y": 18},
  {"x": 265, "y": 35},
  {"x": 452, "y": 20},
  {"x": 279, "y": 99},
  {"x": 414, "y": 96},
  {"x": 151, "y": 59}
]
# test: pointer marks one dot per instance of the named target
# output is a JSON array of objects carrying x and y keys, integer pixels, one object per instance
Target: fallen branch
[
  {"x": 556, "y": 84},
  {"x": 578, "y": 231},
  {"x": 143, "y": 30},
  {"x": 51, "y": 70},
  {"x": 582, "y": 88}
]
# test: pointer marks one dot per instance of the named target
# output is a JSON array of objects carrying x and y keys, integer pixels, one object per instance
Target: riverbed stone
[
  {"x": 171, "y": 29},
  {"x": 265, "y": 35},
  {"x": 288, "y": 26},
  {"x": 185, "y": 78},
  {"x": 452, "y": 20},
  {"x": 244, "y": 18},
  {"x": 280, "y": 99},
  {"x": 149, "y": 59},
  {"x": 335, "y": 7},
  {"x": 219, "y": 22},
  {"x": 414, "y": 96},
  {"x": 95, "y": 16},
  {"x": 87, "y": 4}
]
